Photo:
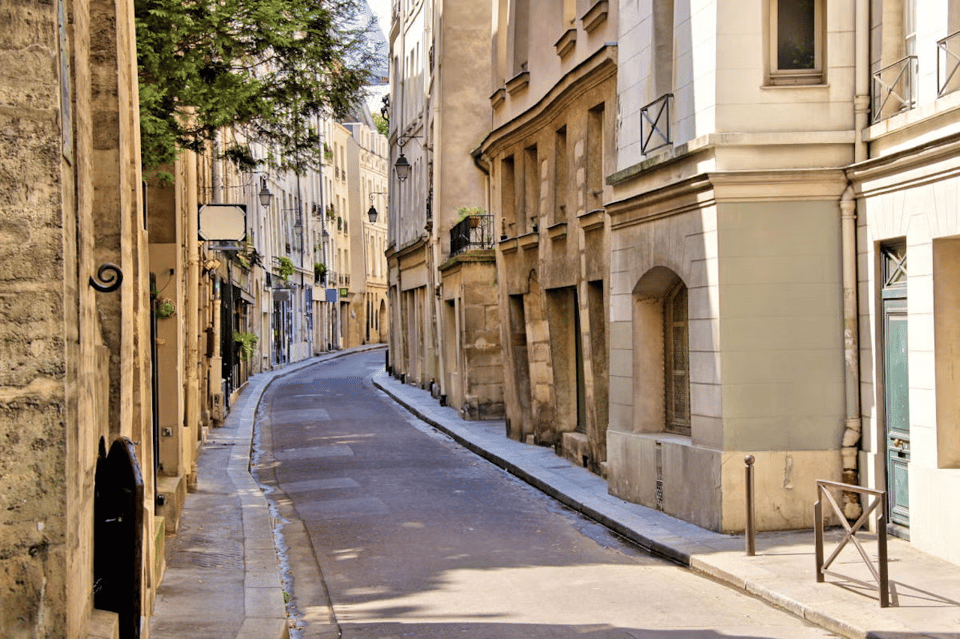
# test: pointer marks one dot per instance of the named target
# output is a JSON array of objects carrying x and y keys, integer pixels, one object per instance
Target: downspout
[
  {"x": 436, "y": 105},
  {"x": 190, "y": 226},
  {"x": 850, "y": 447},
  {"x": 853, "y": 431},
  {"x": 861, "y": 114}
]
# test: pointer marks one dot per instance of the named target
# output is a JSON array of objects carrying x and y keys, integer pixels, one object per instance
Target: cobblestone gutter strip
[{"x": 266, "y": 522}]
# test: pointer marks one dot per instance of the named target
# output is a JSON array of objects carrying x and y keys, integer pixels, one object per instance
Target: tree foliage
[
  {"x": 383, "y": 126},
  {"x": 266, "y": 67}
]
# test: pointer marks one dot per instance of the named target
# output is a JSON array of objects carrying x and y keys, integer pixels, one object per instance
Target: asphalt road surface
[{"x": 393, "y": 530}]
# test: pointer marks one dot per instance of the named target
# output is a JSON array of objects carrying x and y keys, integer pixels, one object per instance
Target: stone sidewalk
[
  {"x": 925, "y": 592},
  {"x": 222, "y": 579}
]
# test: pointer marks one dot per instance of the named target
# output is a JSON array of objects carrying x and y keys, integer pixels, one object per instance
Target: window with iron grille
[{"x": 676, "y": 347}]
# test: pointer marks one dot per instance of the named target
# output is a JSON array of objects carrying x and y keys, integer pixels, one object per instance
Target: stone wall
[
  {"x": 35, "y": 257},
  {"x": 74, "y": 363}
]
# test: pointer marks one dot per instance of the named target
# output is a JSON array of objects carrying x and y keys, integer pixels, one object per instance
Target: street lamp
[
  {"x": 372, "y": 211},
  {"x": 265, "y": 195},
  {"x": 403, "y": 167}
]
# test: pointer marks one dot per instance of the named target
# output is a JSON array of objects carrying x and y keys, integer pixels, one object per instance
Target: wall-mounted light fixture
[
  {"x": 402, "y": 165},
  {"x": 372, "y": 211},
  {"x": 266, "y": 197}
]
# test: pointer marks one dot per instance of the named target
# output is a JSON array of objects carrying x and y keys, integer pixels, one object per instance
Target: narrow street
[{"x": 417, "y": 537}]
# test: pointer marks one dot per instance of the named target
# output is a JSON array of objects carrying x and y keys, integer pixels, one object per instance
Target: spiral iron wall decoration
[{"x": 109, "y": 278}]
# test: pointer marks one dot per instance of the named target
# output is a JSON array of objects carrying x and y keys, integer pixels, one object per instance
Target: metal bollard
[{"x": 749, "y": 532}]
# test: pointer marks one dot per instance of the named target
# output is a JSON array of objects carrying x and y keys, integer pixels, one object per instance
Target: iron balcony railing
[
  {"x": 472, "y": 232},
  {"x": 948, "y": 62},
  {"x": 655, "y": 124},
  {"x": 895, "y": 88}
]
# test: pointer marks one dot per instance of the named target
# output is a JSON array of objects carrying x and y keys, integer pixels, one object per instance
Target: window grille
[{"x": 677, "y": 361}]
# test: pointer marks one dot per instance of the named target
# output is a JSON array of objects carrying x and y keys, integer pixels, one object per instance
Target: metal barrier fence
[{"x": 879, "y": 505}]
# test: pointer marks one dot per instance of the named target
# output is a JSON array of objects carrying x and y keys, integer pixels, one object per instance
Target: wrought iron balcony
[
  {"x": 895, "y": 88},
  {"x": 948, "y": 62},
  {"x": 655, "y": 124},
  {"x": 472, "y": 232}
]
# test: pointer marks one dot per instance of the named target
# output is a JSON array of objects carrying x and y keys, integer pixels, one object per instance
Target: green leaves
[{"x": 266, "y": 67}]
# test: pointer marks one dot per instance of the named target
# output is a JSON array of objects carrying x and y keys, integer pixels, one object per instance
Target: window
[
  {"x": 595, "y": 156},
  {"x": 663, "y": 47},
  {"x": 531, "y": 189},
  {"x": 676, "y": 361},
  {"x": 520, "y": 25},
  {"x": 507, "y": 198},
  {"x": 560, "y": 185},
  {"x": 796, "y": 42}
]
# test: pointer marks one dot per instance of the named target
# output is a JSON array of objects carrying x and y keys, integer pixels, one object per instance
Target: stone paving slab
[{"x": 925, "y": 590}]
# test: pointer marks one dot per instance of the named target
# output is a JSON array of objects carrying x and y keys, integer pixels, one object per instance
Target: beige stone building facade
[
  {"x": 444, "y": 312},
  {"x": 703, "y": 211},
  {"x": 367, "y": 181},
  {"x": 726, "y": 314},
  {"x": 907, "y": 230},
  {"x": 553, "y": 100},
  {"x": 76, "y": 416}
]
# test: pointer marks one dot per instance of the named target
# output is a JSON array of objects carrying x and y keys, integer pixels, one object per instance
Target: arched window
[
  {"x": 661, "y": 354},
  {"x": 676, "y": 356}
]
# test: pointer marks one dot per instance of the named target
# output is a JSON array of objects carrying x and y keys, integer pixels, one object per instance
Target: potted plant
[
  {"x": 286, "y": 269},
  {"x": 246, "y": 343},
  {"x": 165, "y": 308},
  {"x": 470, "y": 211}
]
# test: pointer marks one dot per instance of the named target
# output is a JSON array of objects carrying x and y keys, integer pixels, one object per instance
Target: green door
[{"x": 896, "y": 384}]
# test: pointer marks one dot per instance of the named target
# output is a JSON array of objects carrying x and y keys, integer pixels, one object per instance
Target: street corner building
[
  {"x": 717, "y": 229},
  {"x": 76, "y": 459}
]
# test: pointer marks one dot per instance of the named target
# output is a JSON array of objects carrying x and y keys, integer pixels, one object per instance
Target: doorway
[{"x": 896, "y": 381}]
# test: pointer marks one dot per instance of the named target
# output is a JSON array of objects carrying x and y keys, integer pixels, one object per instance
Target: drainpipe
[
  {"x": 192, "y": 379},
  {"x": 861, "y": 116},
  {"x": 850, "y": 447}
]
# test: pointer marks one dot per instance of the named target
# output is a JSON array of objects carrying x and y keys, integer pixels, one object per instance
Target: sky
[{"x": 381, "y": 9}]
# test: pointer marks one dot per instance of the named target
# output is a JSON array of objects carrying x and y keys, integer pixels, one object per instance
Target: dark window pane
[{"x": 795, "y": 35}]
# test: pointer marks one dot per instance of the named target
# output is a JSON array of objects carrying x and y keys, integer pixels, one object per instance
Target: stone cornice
[
  {"x": 707, "y": 189},
  {"x": 517, "y": 82},
  {"x": 476, "y": 256},
  {"x": 557, "y": 231},
  {"x": 672, "y": 199},
  {"x": 910, "y": 167},
  {"x": 592, "y": 220},
  {"x": 566, "y": 43},
  {"x": 508, "y": 246},
  {"x": 708, "y": 144},
  {"x": 595, "y": 15},
  {"x": 411, "y": 248},
  {"x": 529, "y": 241},
  {"x": 591, "y": 73}
]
